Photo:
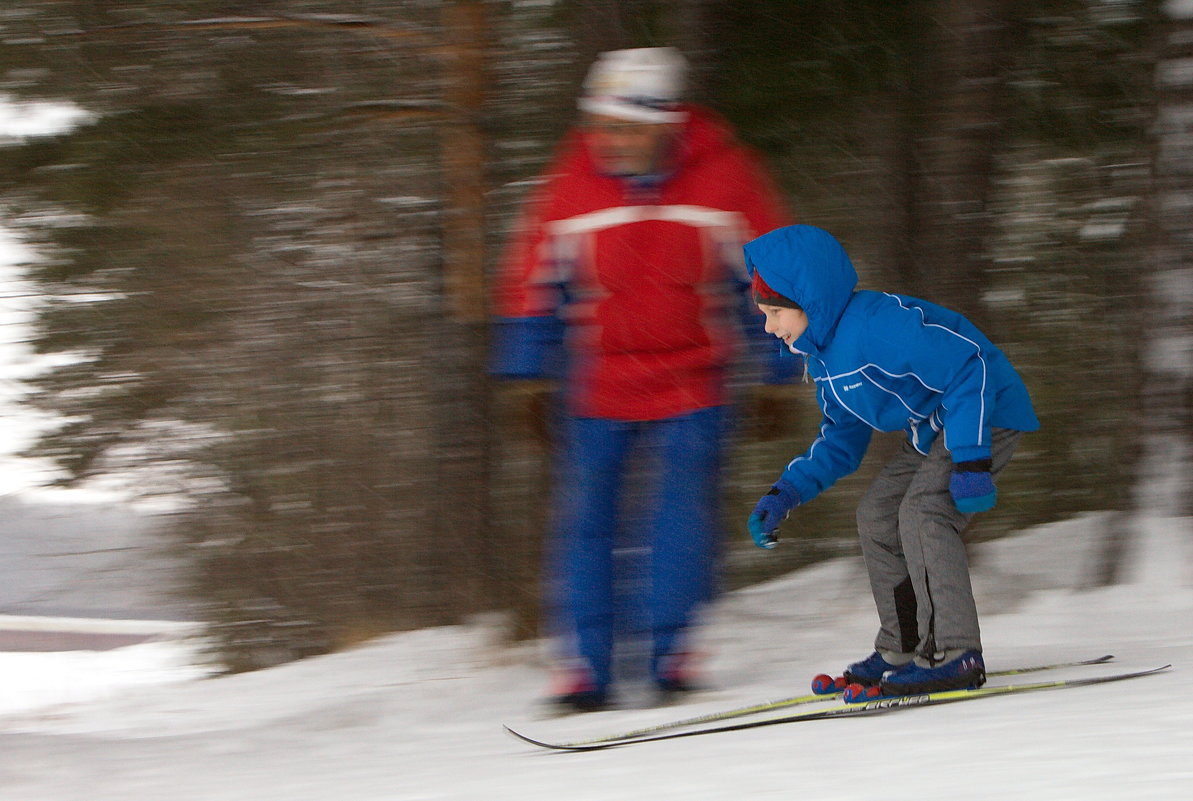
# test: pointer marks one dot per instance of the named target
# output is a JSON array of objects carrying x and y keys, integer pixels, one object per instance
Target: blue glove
[
  {"x": 972, "y": 486},
  {"x": 770, "y": 512}
]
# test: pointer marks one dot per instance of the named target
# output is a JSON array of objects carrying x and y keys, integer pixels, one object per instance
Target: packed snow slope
[{"x": 418, "y": 716}]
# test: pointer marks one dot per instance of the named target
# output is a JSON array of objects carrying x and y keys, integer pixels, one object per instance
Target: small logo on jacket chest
[{"x": 848, "y": 387}]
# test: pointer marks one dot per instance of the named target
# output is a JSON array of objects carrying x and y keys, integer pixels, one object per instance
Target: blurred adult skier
[{"x": 625, "y": 290}]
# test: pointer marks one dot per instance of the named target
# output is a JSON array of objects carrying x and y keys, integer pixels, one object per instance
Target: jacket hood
[{"x": 809, "y": 266}]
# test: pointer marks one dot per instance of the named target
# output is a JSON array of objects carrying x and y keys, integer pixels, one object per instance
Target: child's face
[{"x": 785, "y": 323}]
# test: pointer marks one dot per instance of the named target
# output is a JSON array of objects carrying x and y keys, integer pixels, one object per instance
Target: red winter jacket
[{"x": 643, "y": 286}]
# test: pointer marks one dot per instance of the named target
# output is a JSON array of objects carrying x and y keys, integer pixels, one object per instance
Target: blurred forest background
[{"x": 266, "y": 257}]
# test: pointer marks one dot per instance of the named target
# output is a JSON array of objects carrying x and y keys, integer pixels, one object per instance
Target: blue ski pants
[{"x": 676, "y": 543}]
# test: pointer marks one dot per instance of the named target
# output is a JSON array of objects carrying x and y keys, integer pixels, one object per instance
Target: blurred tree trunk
[
  {"x": 464, "y": 155},
  {"x": 600, "y": 25},
  {"x": 465, "y": 438},
  {"x": 1168, "y": 351},
  {"x": 683, "y": 25},
  {"x": 953, "y": 123}
]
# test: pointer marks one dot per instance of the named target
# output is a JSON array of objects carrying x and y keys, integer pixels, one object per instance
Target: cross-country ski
[
  {"x": 849, "y": 710},
  {"x": 797, "y": 700}
]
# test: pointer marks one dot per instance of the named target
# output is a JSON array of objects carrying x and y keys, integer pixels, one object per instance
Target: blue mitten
[
  {"x": 972, "y": 486},
  {"x": 770, "y": 511}
]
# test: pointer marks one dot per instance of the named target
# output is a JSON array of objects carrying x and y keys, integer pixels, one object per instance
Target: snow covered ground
[{"x": 418, "y": 716}]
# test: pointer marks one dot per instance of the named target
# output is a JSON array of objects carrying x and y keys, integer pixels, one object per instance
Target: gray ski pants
[{"x": 910, "y": 532}]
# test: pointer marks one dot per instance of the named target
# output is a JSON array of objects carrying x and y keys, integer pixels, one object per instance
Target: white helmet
[{"x": 643, "y": 85}]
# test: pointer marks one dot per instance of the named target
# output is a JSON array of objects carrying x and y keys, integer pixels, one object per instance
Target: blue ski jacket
[{"x": 884, "y": 362}]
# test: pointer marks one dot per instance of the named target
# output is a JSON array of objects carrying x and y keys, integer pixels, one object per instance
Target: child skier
[{"x": 889, "y": 362}]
